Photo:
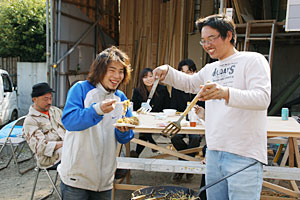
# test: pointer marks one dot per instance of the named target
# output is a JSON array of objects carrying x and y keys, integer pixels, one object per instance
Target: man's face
[
  {"x": 43, "y": 103},
  {"x": 113, "y": 77},
  {"x": 214, "y": 45}
]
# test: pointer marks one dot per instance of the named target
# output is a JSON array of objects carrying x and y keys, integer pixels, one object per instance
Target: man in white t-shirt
[{"x": 236, "y": 90}]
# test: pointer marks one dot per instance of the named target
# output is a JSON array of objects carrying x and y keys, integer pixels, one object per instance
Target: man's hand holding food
[{"x": 109, "y": 105}]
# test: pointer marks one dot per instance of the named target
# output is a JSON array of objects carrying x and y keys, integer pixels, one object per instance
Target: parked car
[{"x": 8, "y": 99}]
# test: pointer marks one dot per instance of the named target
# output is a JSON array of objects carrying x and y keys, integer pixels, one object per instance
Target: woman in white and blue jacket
[{"x": 89, "y": 151}]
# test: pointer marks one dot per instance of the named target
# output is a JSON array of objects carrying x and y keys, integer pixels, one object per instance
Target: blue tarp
[{"x": 16, "y": 131}]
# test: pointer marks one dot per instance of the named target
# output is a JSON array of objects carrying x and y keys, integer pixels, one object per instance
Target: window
[{"x": 6, "y": 83}]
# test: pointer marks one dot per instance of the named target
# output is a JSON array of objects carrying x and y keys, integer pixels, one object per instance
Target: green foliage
[{"x": 23, "y": 29}]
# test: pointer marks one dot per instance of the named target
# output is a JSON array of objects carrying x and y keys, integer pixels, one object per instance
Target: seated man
[{"x": 42, "y": 128}]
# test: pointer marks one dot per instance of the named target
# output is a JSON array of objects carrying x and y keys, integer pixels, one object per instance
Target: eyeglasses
[{"x": 210, "y": 40}]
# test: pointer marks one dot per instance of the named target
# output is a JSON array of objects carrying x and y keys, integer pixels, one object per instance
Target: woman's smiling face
[{"x": 148, "y": 79}]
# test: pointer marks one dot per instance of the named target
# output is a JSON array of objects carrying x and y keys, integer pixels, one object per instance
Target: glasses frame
[{"x": 210, "y": 40}]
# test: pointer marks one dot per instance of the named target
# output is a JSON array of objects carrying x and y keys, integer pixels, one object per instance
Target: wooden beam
[
  {"x": 137, "y": 60},
  {"x": 195, "y": 167},
  {"x": 265, "y": 197},
  {"x": 281, "y": 173},
  {"x": 160, "y": 165},
  {"x": 164, "y": 49},
  {"x": 186, "y": 151},
  {"x": 291, "y": 152},
  {"x": 164, "y": 150},
  {"x": 281, "y": 189},
  {"x": 238, "y": 12},
  {"x": 129, "y": 187},
  {"x": 278, "y": 153},
  {"x": 155, "y": 32},
  {"x": 285, "y": 156},
  {"x": 296, "y": 149},
  {"x": 294, "y": 186}
]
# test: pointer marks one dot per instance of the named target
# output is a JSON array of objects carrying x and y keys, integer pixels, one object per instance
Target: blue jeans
[
  {"x": 245, "y": 185},
  {"x": 72, "y": 193}
]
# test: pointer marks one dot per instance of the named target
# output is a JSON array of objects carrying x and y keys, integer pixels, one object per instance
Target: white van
[{"x": 8, "y": 99}]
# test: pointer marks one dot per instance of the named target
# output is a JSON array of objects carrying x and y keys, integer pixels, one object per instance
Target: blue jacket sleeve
[
  {"x": 124, "y": 137},
  {"x": 75, "y": 116}
]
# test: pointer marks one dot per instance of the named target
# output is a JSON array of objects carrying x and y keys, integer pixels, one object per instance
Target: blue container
[{"x": 284, "y": 113}]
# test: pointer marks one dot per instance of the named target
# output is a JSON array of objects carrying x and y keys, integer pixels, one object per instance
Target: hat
[{"x": 40, "y": 89}]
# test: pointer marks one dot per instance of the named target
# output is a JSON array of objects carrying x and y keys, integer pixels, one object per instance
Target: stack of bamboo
[{"x": 154, "y": 33}]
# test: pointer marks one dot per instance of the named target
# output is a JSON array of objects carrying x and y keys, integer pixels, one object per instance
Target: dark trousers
[
  {"x": 179, "y": 143},
  {"x": 146, "y": 137},
  {"x": 72, "y": 193},
  {"x": 202, "y": 184}
]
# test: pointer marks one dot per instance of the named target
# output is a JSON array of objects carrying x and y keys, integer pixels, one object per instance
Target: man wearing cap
[{"x": 43, "y": 128}]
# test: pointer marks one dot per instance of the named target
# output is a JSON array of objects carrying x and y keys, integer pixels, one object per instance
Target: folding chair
[
  {"x": 16, "y": 145},
  {"x": 38, "y": 169},
  {"x": 46, "y": 170}
]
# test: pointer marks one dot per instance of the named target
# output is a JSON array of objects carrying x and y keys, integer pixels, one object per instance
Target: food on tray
[
  {"x": 166, "y": 195},
  {"x": 129, "y": 120}
]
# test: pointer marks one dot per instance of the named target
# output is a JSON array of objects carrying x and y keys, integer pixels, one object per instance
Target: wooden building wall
[
  {"x": 108, "y": 13},
  {"x": 153, "y": 33}
]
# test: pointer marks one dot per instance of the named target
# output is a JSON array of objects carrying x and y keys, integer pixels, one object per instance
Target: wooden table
[
  {"x": 280, "y": 128},
  {"x": 149, "y": 124},
  {"x": 276, "y": 127}
]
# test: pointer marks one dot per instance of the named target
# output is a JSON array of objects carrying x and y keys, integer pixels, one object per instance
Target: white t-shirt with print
[{"x": 240, "y": 126}]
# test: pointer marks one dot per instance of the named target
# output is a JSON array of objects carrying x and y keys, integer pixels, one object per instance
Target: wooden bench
[{"x": 194, "y": 167}]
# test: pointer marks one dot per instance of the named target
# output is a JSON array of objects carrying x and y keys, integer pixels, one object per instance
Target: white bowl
[{"x": 169, "y": 112}]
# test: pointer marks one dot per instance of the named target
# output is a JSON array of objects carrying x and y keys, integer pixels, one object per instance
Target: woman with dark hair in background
[{"x": 159, "y": 101}]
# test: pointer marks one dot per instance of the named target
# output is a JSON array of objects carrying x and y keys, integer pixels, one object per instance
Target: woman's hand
[{"x": 200, "y": 111}]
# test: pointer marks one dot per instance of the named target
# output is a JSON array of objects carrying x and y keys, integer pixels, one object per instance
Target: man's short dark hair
[
  {"x": 190, "y": 63},
  {"x": 221, "y": 23}
]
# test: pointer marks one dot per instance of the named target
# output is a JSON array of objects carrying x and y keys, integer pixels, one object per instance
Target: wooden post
[{"x": 291, "y": 152}]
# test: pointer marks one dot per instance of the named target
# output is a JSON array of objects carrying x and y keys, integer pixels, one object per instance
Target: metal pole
[
  {"x": 47, "y": 40},
  {"x": 51, "y": 45},
  {"x": 96, "y": 29},
  {"x": 58, "y": 34}
]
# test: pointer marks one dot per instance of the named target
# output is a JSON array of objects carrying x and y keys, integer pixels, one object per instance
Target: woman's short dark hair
[
  {"x": 99, "y": 66},
  {"x": 221, "y": 23},
  {"x": 190, "y": 63}
]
